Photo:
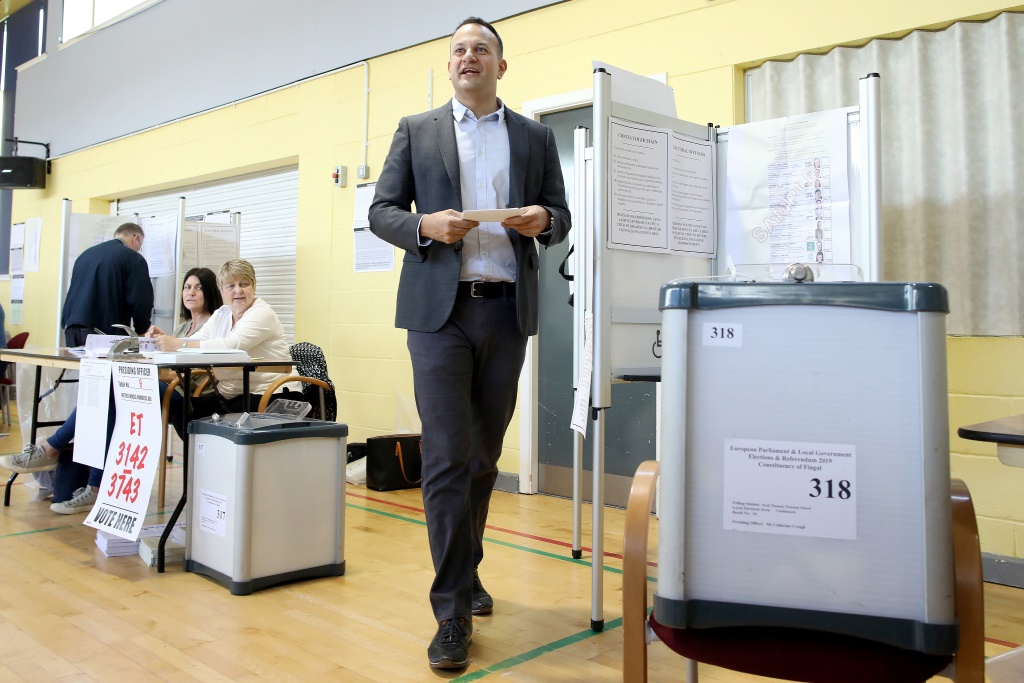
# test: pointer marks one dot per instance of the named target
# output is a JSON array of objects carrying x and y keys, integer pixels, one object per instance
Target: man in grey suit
[{"x": 468, "y": 297}]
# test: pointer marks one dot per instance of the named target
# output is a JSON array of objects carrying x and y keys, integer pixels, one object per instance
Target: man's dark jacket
[
  {"x": 423, "y": 168},
  {"x": 109, "y": 284}
]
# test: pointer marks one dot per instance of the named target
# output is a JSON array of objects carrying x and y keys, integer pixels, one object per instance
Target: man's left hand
[{"x": 531, "y": 222}]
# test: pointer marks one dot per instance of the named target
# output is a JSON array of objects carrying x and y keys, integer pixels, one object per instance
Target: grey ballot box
[
  {"x": 266, "y": 500},
  {"x": 805, "y": 475}
]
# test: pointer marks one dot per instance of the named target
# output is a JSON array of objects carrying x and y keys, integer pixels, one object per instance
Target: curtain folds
[{"x": 952, "y": 156}]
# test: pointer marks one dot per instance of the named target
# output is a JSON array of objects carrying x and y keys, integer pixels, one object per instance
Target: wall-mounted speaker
[{"x": 18, "y": 172}]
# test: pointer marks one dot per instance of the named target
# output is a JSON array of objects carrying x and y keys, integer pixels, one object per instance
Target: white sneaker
[
  {"x": 31, "y": 459},
  {"x": 82, "y": 501}
]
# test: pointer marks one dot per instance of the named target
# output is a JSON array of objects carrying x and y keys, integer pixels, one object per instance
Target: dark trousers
[
  {"x": 466, "y": 377},
  {"x": 70, "y": 475}
]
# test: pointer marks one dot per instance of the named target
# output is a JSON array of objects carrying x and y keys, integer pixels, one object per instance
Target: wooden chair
[
  {"x": 796, "y": 654},
  {"x": 165, "y": 415},
  {"x": 301, "y": 352},
  {"x": 268, "y": 395},
  {"x": 311, "y": 370}
]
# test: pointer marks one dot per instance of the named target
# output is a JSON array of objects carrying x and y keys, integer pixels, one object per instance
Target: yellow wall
[
  {"x": 703, "y": 45},
  {"x": 986, "y": 382}
]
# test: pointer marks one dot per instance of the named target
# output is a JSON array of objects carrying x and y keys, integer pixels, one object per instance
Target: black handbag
[{"x": 393, "y": 462}]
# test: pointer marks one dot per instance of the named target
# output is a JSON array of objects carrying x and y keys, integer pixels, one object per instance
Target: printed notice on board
[
  {"x": 790, "y": 487},
  {"x": 639, "y": 170},
  {"x": 662, "y": 197},
  {"x": 371, "y": 253},
  {"x": 213, "y": 512}
]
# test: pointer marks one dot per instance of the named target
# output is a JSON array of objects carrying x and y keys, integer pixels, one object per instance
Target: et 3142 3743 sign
[
  {"x": 788, "y": 487},
  {"x": 134, "y": 450}
]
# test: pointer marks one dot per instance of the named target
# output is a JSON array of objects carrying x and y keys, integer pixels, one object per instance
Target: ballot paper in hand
[{"x": 490, "y": 215}]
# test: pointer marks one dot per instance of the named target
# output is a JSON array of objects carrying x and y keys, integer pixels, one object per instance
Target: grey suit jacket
[{"x": 423, "y": 168}]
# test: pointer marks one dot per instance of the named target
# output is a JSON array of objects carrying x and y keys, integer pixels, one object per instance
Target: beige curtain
[{"x": 952, "y": 156}]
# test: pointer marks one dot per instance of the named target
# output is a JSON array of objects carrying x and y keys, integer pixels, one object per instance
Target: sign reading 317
[{"x": 134, "y": 449}]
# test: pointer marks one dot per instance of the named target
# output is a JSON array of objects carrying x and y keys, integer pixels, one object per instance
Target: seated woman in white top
[{"x": 245, "y": 322}]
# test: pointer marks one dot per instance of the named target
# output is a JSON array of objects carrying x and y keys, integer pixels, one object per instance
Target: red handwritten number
[{"x": 124, "y": 485}]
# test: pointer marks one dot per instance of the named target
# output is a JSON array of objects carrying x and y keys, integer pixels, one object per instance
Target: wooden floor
[{"x": 67, "y": 613}]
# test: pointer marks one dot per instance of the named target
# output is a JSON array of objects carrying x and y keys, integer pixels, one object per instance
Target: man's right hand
[{"x": 445, "y": 226}]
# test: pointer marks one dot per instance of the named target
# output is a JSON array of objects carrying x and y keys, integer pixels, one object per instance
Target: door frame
[{"x": 529, "y": 459}]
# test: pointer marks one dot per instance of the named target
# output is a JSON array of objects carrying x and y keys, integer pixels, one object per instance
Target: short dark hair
[
  {"x": 480, "y": 22},
  {"x": 212, "y": 300},
  {"x": 126, "y": 229}
]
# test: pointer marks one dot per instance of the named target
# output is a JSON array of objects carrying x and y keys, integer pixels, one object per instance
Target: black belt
[{"x": 488, "y": 290}]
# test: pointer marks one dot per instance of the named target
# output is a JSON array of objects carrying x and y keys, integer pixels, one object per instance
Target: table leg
[
  {"x": 32, "y": 430},
  {"x": 186, "y": 414}
]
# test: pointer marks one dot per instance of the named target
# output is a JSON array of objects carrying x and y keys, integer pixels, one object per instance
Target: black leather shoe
[
  {"x": 450, "y": 647},
  {"x": 482, "y": 603}
]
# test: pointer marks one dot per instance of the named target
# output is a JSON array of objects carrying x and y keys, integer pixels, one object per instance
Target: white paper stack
[
  {"x": 115, "y": 546},
  {"x": 200, "y": 356},
  {"x": 173, "y": 552}
]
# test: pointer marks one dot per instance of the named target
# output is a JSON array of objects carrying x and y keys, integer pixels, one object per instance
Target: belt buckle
[{"x": 476, "y": 289}]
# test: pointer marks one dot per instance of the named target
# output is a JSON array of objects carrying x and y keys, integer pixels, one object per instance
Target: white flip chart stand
[{"x": 653, "y": 205}]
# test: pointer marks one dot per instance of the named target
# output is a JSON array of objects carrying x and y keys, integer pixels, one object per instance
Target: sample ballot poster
[
  {"x": 132, "y": 459},
  {"x": 662, "y": 191},
  {"x": 793, "y": 488},
  {"x": 788, "y": 194}
]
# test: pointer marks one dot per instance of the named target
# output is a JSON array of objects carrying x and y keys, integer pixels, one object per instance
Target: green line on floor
[
  {"x": 36, "y": 531},
  {"x": 536, "y": 652},
  {"x": 514, "y": 546}
]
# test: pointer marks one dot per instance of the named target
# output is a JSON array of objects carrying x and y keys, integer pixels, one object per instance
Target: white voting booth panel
[{"x": 805, "y": 460}]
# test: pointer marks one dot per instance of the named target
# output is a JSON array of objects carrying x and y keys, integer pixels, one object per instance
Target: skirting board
[
  {"x": 509, "y": 483},
  {"x": 1007, "y": 571}
]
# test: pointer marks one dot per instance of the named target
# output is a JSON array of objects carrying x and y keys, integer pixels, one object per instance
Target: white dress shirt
[{"x": 487, "y": 252}]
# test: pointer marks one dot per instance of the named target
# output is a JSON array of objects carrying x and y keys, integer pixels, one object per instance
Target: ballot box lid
[
  {"x": 259, "y": 428},
  {"x": 915, "y": 297}
]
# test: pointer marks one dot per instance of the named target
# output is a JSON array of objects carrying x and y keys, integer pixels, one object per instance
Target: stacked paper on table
[
  {"x": 173, "y": 552},
  {"x": 200, "y": 356},
  {"x": 115, "y": 546}
]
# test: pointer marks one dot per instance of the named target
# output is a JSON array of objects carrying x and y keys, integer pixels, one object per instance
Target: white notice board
[{"x": 661, "y": 226}]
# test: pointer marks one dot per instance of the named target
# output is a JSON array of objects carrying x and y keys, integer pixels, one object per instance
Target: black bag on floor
[
  {"x": 354, "y": 452},
  {"x": 393, "y": 462}
]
